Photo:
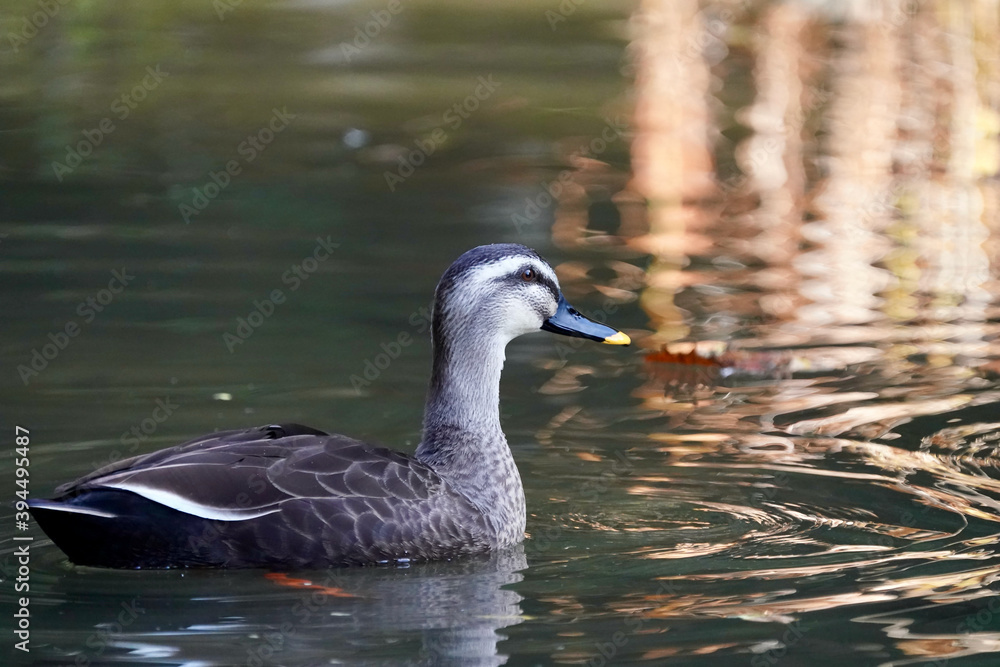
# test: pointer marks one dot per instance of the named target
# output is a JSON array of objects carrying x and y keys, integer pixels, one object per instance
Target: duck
[{"x": 288, "y": 496}]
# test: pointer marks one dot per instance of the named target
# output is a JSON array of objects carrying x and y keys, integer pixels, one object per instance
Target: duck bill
[{"x": 569, "y": 322}]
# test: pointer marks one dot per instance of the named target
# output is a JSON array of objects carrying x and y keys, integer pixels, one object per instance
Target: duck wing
[
  {"x": 218, "y": 447},
  {"x": 219, "y": 476},
  {"x": 274, "y": 495}
]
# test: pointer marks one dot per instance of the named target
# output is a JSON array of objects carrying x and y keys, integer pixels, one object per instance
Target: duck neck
[{"x": 462, "y": 440}]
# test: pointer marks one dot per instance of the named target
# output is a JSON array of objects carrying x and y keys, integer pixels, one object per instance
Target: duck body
[
  {"x": 289, "y": 496},
  {"x": 274, "y": 496}
]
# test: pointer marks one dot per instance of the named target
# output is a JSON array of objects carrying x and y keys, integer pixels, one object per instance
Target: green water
[{"x": 266, "y": 204}]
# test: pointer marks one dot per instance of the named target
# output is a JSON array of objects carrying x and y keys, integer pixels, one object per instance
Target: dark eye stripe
[
  {"x": 540, "y": 278},
  {"x": 544, "y": 280}
]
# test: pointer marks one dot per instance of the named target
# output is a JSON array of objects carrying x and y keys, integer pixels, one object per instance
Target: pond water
[{"x": 792, "y": 208}]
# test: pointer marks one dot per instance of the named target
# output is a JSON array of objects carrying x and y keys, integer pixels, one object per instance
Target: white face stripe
[
  {"x": 186, "y": 505},
  {"x": 506, "y": 266},
  {"x": 473, "y": 287},
  {"x": 502, "y": 308}
]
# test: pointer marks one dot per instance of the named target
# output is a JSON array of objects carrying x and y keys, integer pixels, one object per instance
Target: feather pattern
[
  {"x": 247, "y": 498},
  {"x": 290, "y": 496}
]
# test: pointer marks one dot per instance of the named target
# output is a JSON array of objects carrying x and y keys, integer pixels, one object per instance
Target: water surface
[{"x": 791, "y": 207}]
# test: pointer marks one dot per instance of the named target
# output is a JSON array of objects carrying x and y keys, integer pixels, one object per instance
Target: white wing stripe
[
  {"x": 58, "y": 507},
  {"x": 188, "y": 506}
]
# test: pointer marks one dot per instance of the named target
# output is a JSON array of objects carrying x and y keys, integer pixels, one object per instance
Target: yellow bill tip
[{"x": 618, "y": 339}]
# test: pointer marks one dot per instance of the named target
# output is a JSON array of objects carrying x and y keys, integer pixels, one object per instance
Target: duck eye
[{"x": 528, "y": 275}]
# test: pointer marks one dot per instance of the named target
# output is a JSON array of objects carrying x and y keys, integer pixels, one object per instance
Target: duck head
[{"x": 504, "y": 291}]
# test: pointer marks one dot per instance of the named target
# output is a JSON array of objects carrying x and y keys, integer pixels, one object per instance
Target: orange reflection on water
[
  {"x": 821, "y": 226},
  {"x": 782, "y": 604}
]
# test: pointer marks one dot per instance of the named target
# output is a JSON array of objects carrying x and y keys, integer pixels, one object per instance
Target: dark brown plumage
[
  {"x": 329, "y": 501},
  {"x": 289, "y": 496}
]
